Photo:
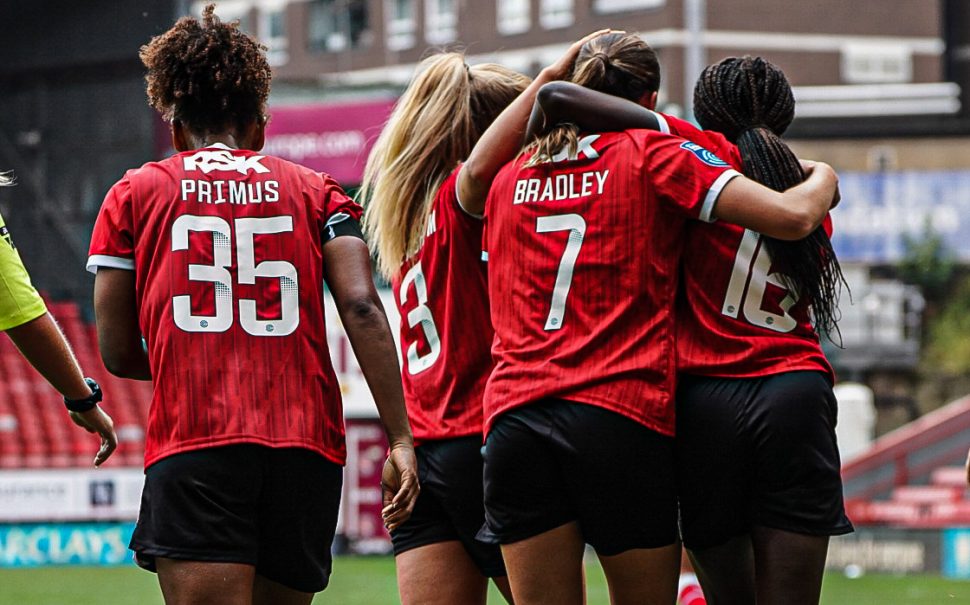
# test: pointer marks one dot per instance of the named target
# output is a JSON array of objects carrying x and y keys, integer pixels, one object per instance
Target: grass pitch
[{"x": 370, "y": 581}]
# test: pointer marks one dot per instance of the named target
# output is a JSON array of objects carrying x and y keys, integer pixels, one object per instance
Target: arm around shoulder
[{"x": 789, "y": 215}]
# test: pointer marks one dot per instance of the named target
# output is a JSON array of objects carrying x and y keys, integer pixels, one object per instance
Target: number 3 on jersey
[
  {"x": 420, "y": 316},
  {"x": 218, "y": 274},
  {"x": 760, "y": 276}
]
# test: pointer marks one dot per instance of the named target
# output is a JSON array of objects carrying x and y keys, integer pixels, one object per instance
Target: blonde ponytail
[{"x": 433, "y": 127}]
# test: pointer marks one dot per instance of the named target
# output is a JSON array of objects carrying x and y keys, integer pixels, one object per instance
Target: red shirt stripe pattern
[
  {"x": 227, "y": 249},
  {"x": 446, "y": 334},
  {"x": 736, "y": 318},
  {"x": 584, "y": 256}
]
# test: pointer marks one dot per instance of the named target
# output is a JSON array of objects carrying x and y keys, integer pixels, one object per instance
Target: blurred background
[{"x": 881, "y": 95}]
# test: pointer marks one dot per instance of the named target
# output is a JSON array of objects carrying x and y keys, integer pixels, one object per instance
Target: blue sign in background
[
  {"x": 879, "y": 210},
  {"x": 956, "y": 553},
  {"x": 33, "y": 545}
]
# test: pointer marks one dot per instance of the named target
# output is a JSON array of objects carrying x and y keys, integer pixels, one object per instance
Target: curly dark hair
[{"x": 208, "y": 75}]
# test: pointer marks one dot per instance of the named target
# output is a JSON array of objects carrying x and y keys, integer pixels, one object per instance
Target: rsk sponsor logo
[{"x": 224, "y": 161}]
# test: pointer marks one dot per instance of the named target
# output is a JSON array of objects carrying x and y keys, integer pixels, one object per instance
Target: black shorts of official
[
  {"x": 555, "y": 462},
  {"x": 450, "y": 506},
  {"x": 758, "y": 452},
  {"x": 275, "y": 509}
]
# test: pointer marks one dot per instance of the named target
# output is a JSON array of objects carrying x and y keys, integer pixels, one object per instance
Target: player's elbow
[
  {"x": 115, "y": 364},
  {"x": 117, "y": 361},
  {"x": 798, "y": 223},
  {"x": 362, "y": 309},
  {"x": 552, "y": 96}
]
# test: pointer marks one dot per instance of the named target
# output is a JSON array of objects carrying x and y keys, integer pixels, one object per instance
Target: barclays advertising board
[
  {"x": 879, "y": 210},
  {"x": 38, "y": 544}
]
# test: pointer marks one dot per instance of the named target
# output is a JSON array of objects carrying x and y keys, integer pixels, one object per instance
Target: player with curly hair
[{"x": 217, "y": 255}]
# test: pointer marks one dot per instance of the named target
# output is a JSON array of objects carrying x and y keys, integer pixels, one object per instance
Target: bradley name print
[{"x": 560, "y": 187}]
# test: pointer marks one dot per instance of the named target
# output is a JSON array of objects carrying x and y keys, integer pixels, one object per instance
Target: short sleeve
[
  {"x": 684, "y": 176},
  {"x": 112, "y": 242},
  {"x": 338, "y": 211},
  {"x": 19, "y": 301}
]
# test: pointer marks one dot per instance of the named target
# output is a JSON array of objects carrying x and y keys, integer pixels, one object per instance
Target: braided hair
[
  {"x": 208, "y": 75},
  {"x": 750, "y": 102}
]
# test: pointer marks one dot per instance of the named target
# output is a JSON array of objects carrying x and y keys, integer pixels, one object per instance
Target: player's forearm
[
  {"x": 497, "y": 146},
  {"x": 44, "y": 346},
  {"x": 370, "y": 336},
  {"x": 119, "y": 336},
  {"x": 592, "y": 111},
  {"x": 812, "y": 200}
]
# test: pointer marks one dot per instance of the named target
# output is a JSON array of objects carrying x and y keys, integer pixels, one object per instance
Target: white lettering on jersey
[
  {"x": 230, "y": 192},
  {"x": 223, "y": 160},
  {"x": 584, "y": 148},
  {"x": 560, "y": 187}
]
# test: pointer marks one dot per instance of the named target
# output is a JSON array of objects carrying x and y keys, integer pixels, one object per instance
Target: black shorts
[
  {"x": 758, "y": 451},
  {"x": 275, "y": 509},
  {"x": 554, "y": 462},
  {"x": 450, "y": 505}
]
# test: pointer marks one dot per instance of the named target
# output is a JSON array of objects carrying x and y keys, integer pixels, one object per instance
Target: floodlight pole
[{"x": 695, "y": 21}]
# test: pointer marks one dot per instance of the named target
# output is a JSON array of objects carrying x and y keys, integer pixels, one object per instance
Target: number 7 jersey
[
  {"x": 584, "y": 260},
  {"x": 227, "y": 250}
]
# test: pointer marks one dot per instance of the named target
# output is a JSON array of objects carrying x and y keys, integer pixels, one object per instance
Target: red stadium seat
[{"x": 35, "y": 432}]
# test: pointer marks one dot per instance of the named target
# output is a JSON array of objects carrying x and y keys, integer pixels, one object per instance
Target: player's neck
[{"x": 209, "y": 140}]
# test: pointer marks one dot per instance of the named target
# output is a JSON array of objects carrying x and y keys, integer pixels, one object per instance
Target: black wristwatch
[{"x": 88, "y": 403}]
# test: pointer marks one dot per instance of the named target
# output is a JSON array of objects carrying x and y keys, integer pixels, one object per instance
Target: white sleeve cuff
[
  {"x": 707, "y": 208},
  {"x": 662, "y": 121},
  {"x": 112, "y": 262}
]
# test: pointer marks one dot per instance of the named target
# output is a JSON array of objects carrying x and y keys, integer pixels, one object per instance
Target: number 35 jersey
[
  {"x": 446, "y": 334},
  {"x": 227, "y": 250},
  {"x": 584, "y": 258},
  {"x": 736, "y": 318}
]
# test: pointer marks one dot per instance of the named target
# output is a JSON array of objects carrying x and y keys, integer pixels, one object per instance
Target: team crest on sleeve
[{"x": 704, "y": 155}]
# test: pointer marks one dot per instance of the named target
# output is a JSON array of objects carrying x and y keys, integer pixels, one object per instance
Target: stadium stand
[
  {"x": 34, "y": 430},
  {"x": 913, "y": 477}
]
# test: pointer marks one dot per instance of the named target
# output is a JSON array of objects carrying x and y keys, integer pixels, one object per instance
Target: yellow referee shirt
[{"x": 19, "y": 301}]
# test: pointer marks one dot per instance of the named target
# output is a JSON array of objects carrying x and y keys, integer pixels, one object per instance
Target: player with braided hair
[
  {"x": 217, "y": 254},
  {"x": 585, "y": 235},
  {"x": 760, "y": 487},
  {"x": 750, "y": 102},
  {"x": 758, "y": 465}
]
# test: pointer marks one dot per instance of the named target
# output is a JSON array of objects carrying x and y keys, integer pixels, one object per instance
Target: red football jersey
[
  {"x": 227, "y": 249},
  {"x": 584, "y": 256},
  {"x": 736, "y": 318},
  {"x": 446, "y": 334}
]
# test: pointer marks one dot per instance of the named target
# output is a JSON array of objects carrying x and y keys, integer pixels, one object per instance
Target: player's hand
[
  {"x": 97, "y": 421},
  {"x": 399, "y": 484},
  {"x": 561, "y": 69},
  {"x": 810, "y": 168}
]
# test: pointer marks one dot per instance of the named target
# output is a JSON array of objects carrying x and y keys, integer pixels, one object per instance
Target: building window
[
  {"x": 875, "y": 64},
  {"x": 556, "y": 13},
  {"x": 272, "y": 33},
  {"x": 401, "y": 24},
  {"x": 336, "y": 25},
  {"x": 615, "y": 6},
  {"x": 512, "y": 17},
  {"x": 440, "y": 21}
]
